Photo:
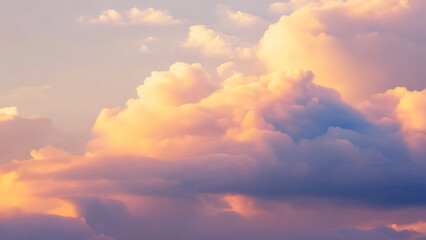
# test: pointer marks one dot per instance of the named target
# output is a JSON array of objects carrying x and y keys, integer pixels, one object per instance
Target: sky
[{"x": 158, "y": 120}]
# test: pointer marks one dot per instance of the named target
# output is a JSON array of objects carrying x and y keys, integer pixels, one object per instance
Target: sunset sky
[{"x": 213, "y": 120}]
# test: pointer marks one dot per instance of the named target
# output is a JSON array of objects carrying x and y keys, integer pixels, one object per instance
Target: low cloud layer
[{"x": 21, "y": 226}]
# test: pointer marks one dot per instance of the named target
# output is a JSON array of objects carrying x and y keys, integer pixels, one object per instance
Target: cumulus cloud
[
  {"x": 401, "y": 105},
  {"x": 107, "y": 16},
  {"x": 403, "y": 109},
  {"x": 357, "y": 47},
  {"x": 284, "y": 125},
  {"x": 217, "y": 45},
  {"x": 238, "y": 18},
  {"x": 263, "y": 156},
  {"x": 276, "y": 102},
  {"x": 412, "y": 110},
  {"x": 135, "y": 16},
  {"x": 190, "y": 152}
]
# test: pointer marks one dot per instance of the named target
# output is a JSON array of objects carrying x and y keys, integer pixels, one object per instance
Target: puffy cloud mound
[
  {"x": 357, "y": 47},
  {"x": 185, "y": 107},
  {"x": 400, "y": 105},
  {"x": 276, "y": 131},
  {"x": 217, "y": 45},
  {"x": 403, "y": 109}
]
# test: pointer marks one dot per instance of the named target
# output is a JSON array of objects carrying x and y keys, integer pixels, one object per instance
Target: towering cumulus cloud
[
  {"x": 327, "y": 143},
  {"x": 358, "y": 47}
]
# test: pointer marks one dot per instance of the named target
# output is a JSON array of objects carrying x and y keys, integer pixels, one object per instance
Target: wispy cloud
[
  {"x": 135, "y": 16},
  {"x": 238, "y": 18}
]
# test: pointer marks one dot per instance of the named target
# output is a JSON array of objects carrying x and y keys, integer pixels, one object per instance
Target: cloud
[
  {"x": 291, "y": 129},
  {"x": 378, "y": 233},
  {"x": 135, "y": 16},
  {"x": 400, "y": 108},
  {"x": 144, "y": 48},
  {"x": 238, "y": 18},
  {"x": 149, "y": 44},
  {"x": 45, "y": 227},
  {"x": 8, "y": 111},
  {"x": 19, "y": 135},
  {"x": 151, "y": 39},
  {"x": 291, "y": 6},
  {"x": 108, "y": 16},
  {"x": 398, "y": 105},
  {"x": 356, "y": 47},
  {"x": 189, "y": 152},
  {"x": 184, "y": 221},
  {"x": 411, "y": 110},
  {"x": 258, "y": 156},
  {"x": 217, "y": 45}
]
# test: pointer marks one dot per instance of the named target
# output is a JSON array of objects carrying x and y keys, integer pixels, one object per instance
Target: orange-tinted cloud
[
  {"x": 238, "y": 18},
  {"x": 263, "y": 156},
  {"x": 217, "y": 45},
  {"x": 357, "y": 47}
]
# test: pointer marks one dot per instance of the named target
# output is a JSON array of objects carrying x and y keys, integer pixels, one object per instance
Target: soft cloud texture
[
  {"x": 8, "y": 112},
  {"x": 135, "y": 16},
  {"x": 402, "y": 109},
  {"x": 217, "y": 45},
  {"x": 277, "y": 121},
  {"x": 249, "y": 153},
  {"x": 238, "y": 18},
  {"x": 321, "y": 144},
  {"x": 19, "y": 135},
  {"x": 45, "y": 227},
  {"x": 357, "y": 47}
]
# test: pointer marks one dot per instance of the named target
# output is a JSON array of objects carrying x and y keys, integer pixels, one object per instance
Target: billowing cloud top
[
  {"x": 325, "y": 140},
  {"x": 340, "y": 40}
]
